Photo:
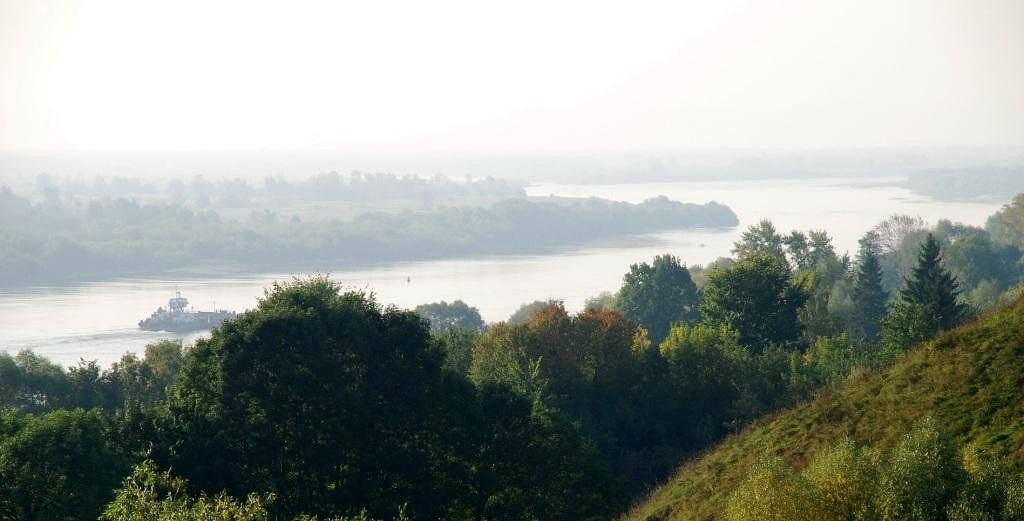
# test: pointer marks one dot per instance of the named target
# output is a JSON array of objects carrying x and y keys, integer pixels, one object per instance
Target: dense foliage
[
  {"x": 334, "y": 405},
  {"x": 59, "y": 465},
  {"x": 53, "y": 240},
  {"x": 926, "y": 477},
  {"x": 756, "y": 297},
  {"x": 456, "y": 315},
  {"x": 322, "y": 403},
  {"x": 658, "y": 295},
  {"x": 968, "y": 380}
]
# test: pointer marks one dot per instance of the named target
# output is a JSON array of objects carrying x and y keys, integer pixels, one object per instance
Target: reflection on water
[{"x": 99, "y": 320}]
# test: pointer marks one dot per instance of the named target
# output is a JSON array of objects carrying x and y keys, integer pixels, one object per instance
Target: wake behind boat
[{"x": 179, "y": 318}]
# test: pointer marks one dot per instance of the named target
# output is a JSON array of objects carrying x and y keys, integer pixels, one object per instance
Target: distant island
[
  {"x": 55, "y": 240},
  {"x": 959, "y": 184}
]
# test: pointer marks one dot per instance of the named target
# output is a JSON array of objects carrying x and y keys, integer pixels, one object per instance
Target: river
[{"x": 97, "y": 320}]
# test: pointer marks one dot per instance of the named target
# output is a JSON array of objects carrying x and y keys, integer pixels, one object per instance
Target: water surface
[{"x": 98, "y": 320}]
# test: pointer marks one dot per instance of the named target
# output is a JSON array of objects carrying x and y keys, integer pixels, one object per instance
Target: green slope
[{"x": 970, "y": 379}]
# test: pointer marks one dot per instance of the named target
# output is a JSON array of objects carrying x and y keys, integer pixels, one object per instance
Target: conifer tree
[
  {"x": 869, "y": 296},
  {"x": 932, "y": 286}
]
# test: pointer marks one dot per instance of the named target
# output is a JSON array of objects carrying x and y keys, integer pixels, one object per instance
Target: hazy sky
[{"x": 519, "y": 75}]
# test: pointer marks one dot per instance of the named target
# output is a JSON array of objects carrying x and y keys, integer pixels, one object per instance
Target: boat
[{"x": 178, "y": 317}]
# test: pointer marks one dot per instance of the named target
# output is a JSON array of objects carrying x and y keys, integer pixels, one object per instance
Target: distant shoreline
[{"x": 187, "y": 244}]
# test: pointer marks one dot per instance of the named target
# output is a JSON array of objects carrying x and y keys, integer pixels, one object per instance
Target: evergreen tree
[
  {"x": 931, "y": 285},
  {"x": 869, "y": 296}
]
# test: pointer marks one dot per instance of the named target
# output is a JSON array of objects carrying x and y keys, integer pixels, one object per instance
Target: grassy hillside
[{"x": 970, "y": 379}]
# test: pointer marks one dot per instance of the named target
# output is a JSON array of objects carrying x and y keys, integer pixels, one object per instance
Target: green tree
[
  {"x": 756, "y": 297},
  {"x": 319, "y": 397},
  {"x": 598, "y": 368},
  {"x": 569, "y": 359},
  {"x": 825, "y": 363},
  {"x": 456, "y": 315},
  {"x": 798, "y": 249},
  {"x": 605, "y": 301},
  {"x": 907, "y": 325},
  {"x": 144, "y": 381},
  {"x": 59, "y": 465},
  {"x": 869, "y": 296},
  {"x": 932, "y": 286},
  {"x": 974, "y": 258},
  {"x": 524, "y": 312},
  {"x": 772, "y": 491},
  {"x": 536, "y": 465},
  {"x": 808, "y": 251},
  {"x": 922, "y": 477},
  {"x": 151, "y": 495},
  {"x": 760, "y": 239},
  {"x": 845, "y": 477},
  {"x": 705, "y": 363},
  {"x": 658, "y": 295},
  {"x": 457, "y": 346},
  {"x": 31, "y": 383},
  {"x": 1007, "y": 225}
]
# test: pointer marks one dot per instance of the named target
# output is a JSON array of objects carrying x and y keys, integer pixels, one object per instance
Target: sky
[{"x": 524, "y": 75}]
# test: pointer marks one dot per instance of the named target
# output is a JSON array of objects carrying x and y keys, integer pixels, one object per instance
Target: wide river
[{"x": 97, "y": 320}]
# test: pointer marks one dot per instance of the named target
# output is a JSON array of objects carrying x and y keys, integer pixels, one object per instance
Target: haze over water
[{"x": 98, "y": 320}]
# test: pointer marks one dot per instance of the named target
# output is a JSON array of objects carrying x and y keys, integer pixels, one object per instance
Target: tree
[
  {"x": 895, "y": 240},
  {"x": 930, "y": 285},
  {"x": 825, "y": 363},
  {"x": 757, "y": 298},
  {"x": 523, "y": 314},
  {"x": 772, "y": 491},
  {"x": 922, "y": 476},
  {"x": 144, "y": 381},
  {"x": 760, "y": 239},
  {"x": 457, "y": 346},
  {"x": 658, "y": 295},
  {"x": 59, "y": 465},
  {"x": 845, "y": 477},
  {"x": 1007, "y": 225},
  {"x": 798, "y": 249},
  {"x": 599, "y": 369},
  {"x": 704, "y": 362},
  {"x": 319, "y": 397},
  {"x": 153, "y": 495},
  {"x": 571, "y": 357},
  {"x": 820, "y": 248},
  {"x": 906, "y": 325},
  {"x": 31, "y": 383},
  {"x": 869, "y": 297},
  {"x": 457, "y": 315},
  {"x": 605, "y": 301},
  {"x": 975, "y": 258},
  {"x": 536, "y": 466}
]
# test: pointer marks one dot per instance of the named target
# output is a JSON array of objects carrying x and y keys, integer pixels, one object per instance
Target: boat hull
[{"x": 185, "y": 322}]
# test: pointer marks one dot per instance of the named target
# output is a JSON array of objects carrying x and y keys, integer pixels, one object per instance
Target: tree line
[{"x": 54, "y": 240}]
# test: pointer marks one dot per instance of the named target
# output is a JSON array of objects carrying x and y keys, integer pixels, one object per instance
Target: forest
[
  {"x": 320, "y": 403},
  {"x": 61, "y": 239}
]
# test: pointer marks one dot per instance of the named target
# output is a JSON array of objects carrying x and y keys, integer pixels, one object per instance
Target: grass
[{"x": 971, "y": 379}]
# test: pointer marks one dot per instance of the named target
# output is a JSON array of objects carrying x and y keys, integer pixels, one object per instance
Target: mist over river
[{"x": 98, "y": 320}]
